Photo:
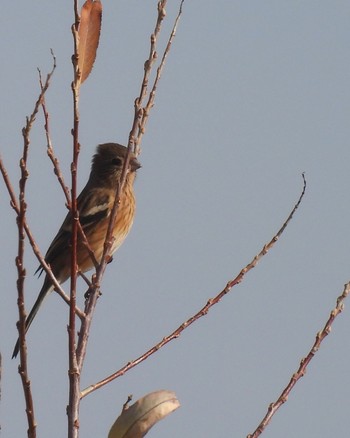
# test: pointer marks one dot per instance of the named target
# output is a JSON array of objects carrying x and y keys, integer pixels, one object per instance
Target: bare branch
[
  {"x": 77, "y": 356},
  {"x": 35, "y": 248},
  {"x": 50, "y": 150},
  {"x": 146, "y": 110},
  {"x": 74, "y": 370},
  {"x": 141, "y": 113},
  {"x": 203, "y": 311},
  {"x": 22, "y": 207},
  {"x": 23, "y": 229},
  {"x": 93, "y": 291},
  {"x": 273, "y": 408},
  {"x": 56, "y": 165}
]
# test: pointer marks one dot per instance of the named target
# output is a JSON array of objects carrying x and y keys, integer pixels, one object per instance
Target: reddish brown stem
[
  {"x": 273, "y": 407},
  {"x": 74, "y": 370},
  {"x": 203, "y": 311}
]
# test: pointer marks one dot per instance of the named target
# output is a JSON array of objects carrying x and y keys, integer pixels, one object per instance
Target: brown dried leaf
[
  {"x": 135, "y": 421},
  {"x": 89, "y": 36}
]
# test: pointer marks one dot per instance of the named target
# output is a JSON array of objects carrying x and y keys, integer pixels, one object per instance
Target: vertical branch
[
  {"x": 23, "y": 367},
  {"x": 134, "y": 138},
  {"x": 36, "y": 250},
  {"x": 85, "y": 36},
  {"x": 138, "y": 110},
  {"x": 149, "y": 105},
  {"x": 140, "y": 118},
  {"x": 21, "y": 208},
  {"x": 94, "y": 287},
  {"x": 93, "y": 291},
  {"x": 141, "y": 113},
  {"x": 74, "y": 371},
  {"x": 50, "y": 151}
]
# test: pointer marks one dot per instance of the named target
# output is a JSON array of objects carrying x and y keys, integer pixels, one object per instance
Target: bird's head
[{"x": 108, "y": 162}]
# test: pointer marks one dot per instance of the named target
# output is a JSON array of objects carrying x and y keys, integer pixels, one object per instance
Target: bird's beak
[{"x": 134, "y": 164}]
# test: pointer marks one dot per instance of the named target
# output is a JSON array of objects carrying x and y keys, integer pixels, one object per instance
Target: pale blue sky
[{"x": 253, "y": 94}]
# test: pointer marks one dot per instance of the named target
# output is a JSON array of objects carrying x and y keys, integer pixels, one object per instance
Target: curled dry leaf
[
  {"x": 135, "y": 421},
  {"x": 89, "y": 36}
]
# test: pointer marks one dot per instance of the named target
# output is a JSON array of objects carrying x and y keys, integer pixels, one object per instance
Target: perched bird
[{"x": 95, "y": 204}]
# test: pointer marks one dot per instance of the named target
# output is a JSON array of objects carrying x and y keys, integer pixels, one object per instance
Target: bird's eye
[{"x": 117, "y": 162}]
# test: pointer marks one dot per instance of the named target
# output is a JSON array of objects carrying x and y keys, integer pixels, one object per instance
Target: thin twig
[
  {"x": 50, "y": 150},
  {"x": 23, "y": 229},
  {"x": 203, "y": 311},
  {"x": 74, "y": 370},
  {"x": 43, "y": 86},
  {"x": 56, "y": 165},
  {"x": 141, "y": 113},
  {"x": 138, "y": 110},
  {"x": 94, "y": 289},
  {"x": 138, "y": 125},
  {"x": 35, "y": 248},
  {"x": 273, "y": 407},
  {"x": 93, "y": 292},
  {"x": 57, "y": 170},
  {"x": 22, "y": 207},
  {"x": 149, "y": 105}
]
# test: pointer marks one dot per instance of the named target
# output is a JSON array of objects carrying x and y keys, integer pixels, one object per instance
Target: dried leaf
[
  {"x": 89, "y": 36},
  {"x": 135, "y": 421}
]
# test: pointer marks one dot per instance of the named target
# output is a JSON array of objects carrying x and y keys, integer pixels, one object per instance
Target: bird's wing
[{"x": 94, "y": 205}]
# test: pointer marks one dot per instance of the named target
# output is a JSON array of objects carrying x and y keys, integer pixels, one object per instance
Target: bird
[{"x": 94, "y": 205}]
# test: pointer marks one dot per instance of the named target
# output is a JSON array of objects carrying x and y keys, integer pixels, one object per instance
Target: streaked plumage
[{"x": 95, "y": 204}]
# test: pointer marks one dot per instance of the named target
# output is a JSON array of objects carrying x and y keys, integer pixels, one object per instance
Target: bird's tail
[{"x": 45, "y": 291}]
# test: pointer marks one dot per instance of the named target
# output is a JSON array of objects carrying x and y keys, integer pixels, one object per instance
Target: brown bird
[{"x": 95, "y": 204}]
